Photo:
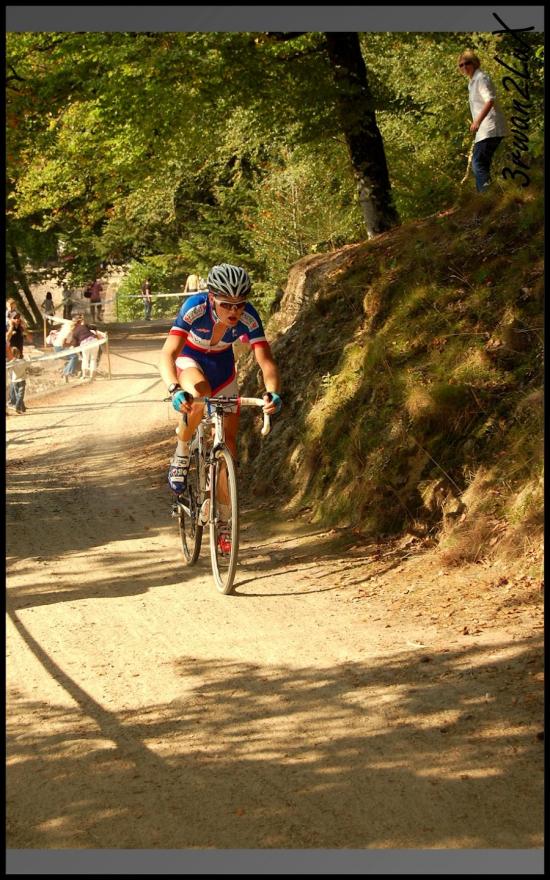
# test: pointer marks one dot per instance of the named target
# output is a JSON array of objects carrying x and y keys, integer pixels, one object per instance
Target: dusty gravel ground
[{"x": 349, "y": 695}]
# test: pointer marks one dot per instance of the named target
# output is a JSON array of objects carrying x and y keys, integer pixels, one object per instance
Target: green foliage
[
  {"x": 225, "y": 146},
  {"x": 432, "y": 379},
  {"x": 166, "y": 276},
  {"x": 423, "y": 112},
  {"x": 422, "y": 107},
  {"x": 303, "y": 204}
]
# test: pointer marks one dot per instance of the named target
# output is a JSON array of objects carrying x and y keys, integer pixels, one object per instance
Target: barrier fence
[
  {"x": 83, "y": 306},
  {"x": 62, "y": 355},
  {"x": 86, "y": 307},
  {"x": 154, "y": 296}
]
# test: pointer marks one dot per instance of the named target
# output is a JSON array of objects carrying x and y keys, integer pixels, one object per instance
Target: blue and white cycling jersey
[{"x": 195, "y": 324}]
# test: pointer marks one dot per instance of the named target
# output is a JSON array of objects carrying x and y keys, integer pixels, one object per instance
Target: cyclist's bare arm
[
  {"x": 170, "y": 350},
  {"x": 270, "y": 372}
]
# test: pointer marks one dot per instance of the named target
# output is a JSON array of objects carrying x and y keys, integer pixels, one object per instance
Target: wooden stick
[
  {"x": 108, "y": 356},
  {"x": 470, "y": 154}
]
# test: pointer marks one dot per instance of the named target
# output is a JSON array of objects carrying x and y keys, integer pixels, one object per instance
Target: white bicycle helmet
[{"x": 227, "y": 280}]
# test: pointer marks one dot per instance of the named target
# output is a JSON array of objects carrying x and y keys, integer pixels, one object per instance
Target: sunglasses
[
  {"x": 230, "y": 305},
  {"x": 465, "y": 64}
]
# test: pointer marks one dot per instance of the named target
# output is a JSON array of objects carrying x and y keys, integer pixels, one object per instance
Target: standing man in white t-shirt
[{"x": 488, "y": 122}]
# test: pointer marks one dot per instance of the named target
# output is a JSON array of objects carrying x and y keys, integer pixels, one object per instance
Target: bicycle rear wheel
[
  {"x": 188, "y": 513},
  {"x": 224, "y": 531}
]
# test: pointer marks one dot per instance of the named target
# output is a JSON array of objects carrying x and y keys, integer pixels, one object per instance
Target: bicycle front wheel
[
  {"x": 188, "y": 513},
  {"x": 224, "y": 522}
]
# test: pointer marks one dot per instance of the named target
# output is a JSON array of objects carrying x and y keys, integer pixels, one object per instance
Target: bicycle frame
[
  {"x": 214, "y": 417},
  {"x": 211, "y": 452},
  {"x": 214, "y": 420}
]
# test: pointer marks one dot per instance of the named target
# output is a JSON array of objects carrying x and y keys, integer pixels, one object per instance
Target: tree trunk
[
  {"x": 365, "y": 145},
  {"x": 21, "y": 279}
]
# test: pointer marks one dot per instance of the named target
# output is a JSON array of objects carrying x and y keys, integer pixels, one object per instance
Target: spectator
[
  {"x": 61, "y": 339},
  {"x": 85, "y": 337},
  {"x": 96, "y": 290},
  {"x": 51, "y": 338},
  {"x": 17, "y": 332},
  {"x": 488, "y": 122},
  {"x": 146, "y": 297},
  {"x": 68, "y": 303},
  {"x": 192, "y": 284},
  {"x": 17, "y": 371},
  {"x": 99, "y": 335},
  {"x": 11, "y": 306},
  {"x": 47, "y": 305}
]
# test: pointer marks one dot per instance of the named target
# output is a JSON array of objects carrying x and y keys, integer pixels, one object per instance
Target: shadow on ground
[{"x": 287, "y": 758}]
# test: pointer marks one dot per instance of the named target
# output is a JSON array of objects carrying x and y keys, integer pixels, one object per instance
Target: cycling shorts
[{"x": 219, "y": 370}]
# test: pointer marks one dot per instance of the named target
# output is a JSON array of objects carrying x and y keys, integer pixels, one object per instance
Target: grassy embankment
[{"x": 412, "y": 382}]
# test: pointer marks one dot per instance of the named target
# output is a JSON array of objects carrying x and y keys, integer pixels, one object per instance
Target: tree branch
[
  {"x": 284, "y": 36},
  {"x": 14, "y": 75},
  {"x": 53, "y": 43}
]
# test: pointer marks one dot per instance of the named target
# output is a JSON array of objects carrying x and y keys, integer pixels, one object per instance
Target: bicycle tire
[
  {"x": 188, "y": 510},
  {"x": 224, "y": 565}
]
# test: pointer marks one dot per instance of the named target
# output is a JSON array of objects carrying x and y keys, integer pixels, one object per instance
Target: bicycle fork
[
  {"x": 208, "y": 468},
  {"x": 208, "y": 476},
  {"x": 211, "y": 487}
]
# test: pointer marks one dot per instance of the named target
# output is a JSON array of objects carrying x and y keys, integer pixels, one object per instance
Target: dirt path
[{"x": 347, "y": 696}]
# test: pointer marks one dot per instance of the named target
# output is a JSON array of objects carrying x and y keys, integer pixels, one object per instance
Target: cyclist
[{"x": 197, "y": 358}]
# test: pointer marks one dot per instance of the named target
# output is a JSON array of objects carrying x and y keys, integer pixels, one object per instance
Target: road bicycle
[{"x": 210, "y": 497}]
